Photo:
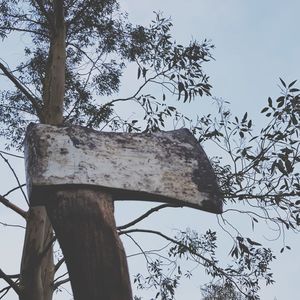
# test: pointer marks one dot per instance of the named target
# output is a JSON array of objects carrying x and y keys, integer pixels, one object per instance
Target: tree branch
[
  {"x": 44, "y": 12},
  {"x": 11, "y": 283},
  {"x": 12, "y": 206},
  {"x": 191, "y": 251},
  {"x": 58, "y": 283},
  {"x": 20, "y": 86},
  {"x": 58, "y": 265},
  {"x": 145, "y": 215},
  {"x": 15, "y": 175}
]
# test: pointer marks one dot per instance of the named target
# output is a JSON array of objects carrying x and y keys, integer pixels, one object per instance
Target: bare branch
[
  {"x": 12, "y": 225},
  {"x": 14, "y": 155},
  {"x": 59, "y": 283},
  {"x": 12, "y": 206},
  {"x": 24, "y": 90},
  {"x": 15, "y": 175},
  {"x": 191, "y": 251},
  {"x": 14, "y": 189},
  {"x": 59, "y": 264},
  {"x": 145, "y": 215},
  {"x": 11, "y": 283}
]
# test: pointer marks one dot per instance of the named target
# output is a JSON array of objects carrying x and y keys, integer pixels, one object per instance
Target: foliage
[
  {"x": 220, "y": 292},
  {"x": 257, "y": 169},
  {"x": 100, "y": 43}
]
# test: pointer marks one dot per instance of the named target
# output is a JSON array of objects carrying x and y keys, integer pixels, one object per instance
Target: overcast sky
[{"x": 256, "y": 43}]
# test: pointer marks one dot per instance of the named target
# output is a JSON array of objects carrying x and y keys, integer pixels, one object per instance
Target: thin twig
[
  {"x": 11, "y": 283},
  {"x": 145, "y": 215},
  {"x": 14, "y": 155},
  {"x": 16, "y": 177},
  {"x": 14, "y": 189},
  {"x": 24, "y": 90},
  {"x": 12, "y": 225},
  {"x": 191, "y": 251},
  {"x": 58, "y": 283},
  {"x": 59, "y": 264}
]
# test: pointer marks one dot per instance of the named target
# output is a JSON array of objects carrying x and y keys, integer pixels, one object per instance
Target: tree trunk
[
  {"x": 37, "y": 267},
  {"x": 84, "y": 223},
  {"x": 54, "y": 85}
]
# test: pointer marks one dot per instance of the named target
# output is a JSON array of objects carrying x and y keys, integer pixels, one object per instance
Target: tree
[
  {"x": 72, "y": 74},
  {"x": 213, "y": 291}
]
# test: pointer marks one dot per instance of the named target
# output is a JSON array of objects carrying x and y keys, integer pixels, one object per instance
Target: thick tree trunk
[
  {"x": 37, "y": 268},
  {"x": 54, "y": 85},
  {"x": 84, "y": 223}
]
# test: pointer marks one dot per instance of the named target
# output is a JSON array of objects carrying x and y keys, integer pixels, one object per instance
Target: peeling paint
[{"x": 164, "y": 166}]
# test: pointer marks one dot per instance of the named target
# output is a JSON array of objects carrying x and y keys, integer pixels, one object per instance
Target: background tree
[{"x": 71, "y": 75}]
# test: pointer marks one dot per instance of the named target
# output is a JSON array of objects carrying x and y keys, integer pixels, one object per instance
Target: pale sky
[{"x": 256, "y": 43}]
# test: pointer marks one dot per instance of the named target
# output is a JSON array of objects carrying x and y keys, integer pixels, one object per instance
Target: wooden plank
[{"x": 164, "y": 166}]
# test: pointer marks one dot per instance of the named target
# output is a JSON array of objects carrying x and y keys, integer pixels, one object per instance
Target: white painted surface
[{"x": 168, "y": 166}]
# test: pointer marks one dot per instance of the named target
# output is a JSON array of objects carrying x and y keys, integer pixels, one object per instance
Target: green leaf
[
  {"x": 292, "y": 83},
  {"x": 139, "y": 73},
  {"x": 270, "y": 102},
  {"x": 253, "y": 242},
  {"x": 282, "y": 82},
  {"x": 264, "y": 109}
]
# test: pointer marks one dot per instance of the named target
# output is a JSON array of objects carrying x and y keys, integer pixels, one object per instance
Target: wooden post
[{"x": 83, "y": 220}]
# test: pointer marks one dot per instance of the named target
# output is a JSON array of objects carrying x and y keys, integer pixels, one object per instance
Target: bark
[
  {"x": 83, "y": 220},
  {"x": 37, "y": 267},
  {"x": 54, "y": 85}
]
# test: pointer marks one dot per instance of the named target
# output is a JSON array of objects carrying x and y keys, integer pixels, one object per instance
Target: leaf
[
  {"x": 139, "y": 73},
  {"x": 270, "y": 102},
  {"x": 282, "y": 82},
  {"x": 186, "y": 96},
  {"x": 244, "y": 118},
  {"x": 292, "y": 83},
  {"x": 281, "y": 167},
  {"x": 144, "y": 72},
  {"x": 264, "y": 109},
  {"x": 180, "y": 89},
  {"x": 253, "y": 242}
]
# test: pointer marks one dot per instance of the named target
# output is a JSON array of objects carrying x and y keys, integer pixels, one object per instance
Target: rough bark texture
[
  {"x": 84, "y": 223},
  {"x": 37, "y": 273},
  {"x": 54, "y": 85},
  {"x": 37, "y": 268}
]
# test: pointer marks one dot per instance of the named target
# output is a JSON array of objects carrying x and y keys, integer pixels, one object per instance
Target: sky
[{"x": 256, "y": 43}]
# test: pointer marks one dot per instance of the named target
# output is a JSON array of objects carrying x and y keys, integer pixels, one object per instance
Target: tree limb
[
  {"x": 44, "y": 12},
  {"x": 58, "y": 265},
  {"x": 11, "y": 283},
  {"x": 191, "y": 251},
  {"x": 12, "y": 206},
  {"x": 15, "y": 175},
  {"x": 145, "y": 215},
  {"x": 20, "y": 86},
  {"x": 58, "y": 283}
]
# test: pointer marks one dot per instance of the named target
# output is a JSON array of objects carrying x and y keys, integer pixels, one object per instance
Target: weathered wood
[
  {"x": 84, "y": 223},
  {"x": 164, "y": 166},
  {"x": 37, "y": 266}
]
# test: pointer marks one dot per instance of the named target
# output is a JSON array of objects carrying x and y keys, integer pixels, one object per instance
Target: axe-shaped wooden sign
[{"x": 77, "y": 173}]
